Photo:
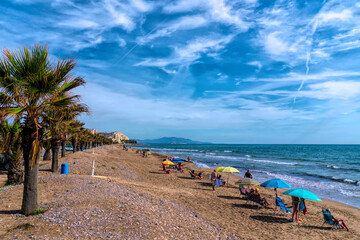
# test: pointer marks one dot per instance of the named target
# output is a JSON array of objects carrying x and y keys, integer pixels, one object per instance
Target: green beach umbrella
[
  {"x": 302, "y": 193},
  {"x": 247, "y": 182}
]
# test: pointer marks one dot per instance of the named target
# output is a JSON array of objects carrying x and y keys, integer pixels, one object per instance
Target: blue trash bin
[{"x": 64, "y": 168}]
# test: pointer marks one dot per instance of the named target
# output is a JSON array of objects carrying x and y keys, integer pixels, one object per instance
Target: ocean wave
[
  {"x": 275, "y": 162},
  {"x": 350, "y": 193},
  {"x": 345, "y": 180},
  {"x": 248, "y": 156},
  {"x": 227, "y": 151},
  {"x": 203, "y": 165},
  {"x": 342, "y": 168}
]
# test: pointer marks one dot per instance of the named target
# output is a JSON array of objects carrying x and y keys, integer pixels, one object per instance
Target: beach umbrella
[
  {"x": 167, "y": 162},
  {"x": 302, "y": 193},
  {"x": 275, "y": 183},
  {"x": 228, "y": 170},
  {"x": 219, "y": 168},
  {"x": 247, "y": 182},
  {"x": 177, "y": 160}
]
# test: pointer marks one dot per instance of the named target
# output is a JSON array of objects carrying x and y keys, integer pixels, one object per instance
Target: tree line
[{"x": 38, "y": 109}]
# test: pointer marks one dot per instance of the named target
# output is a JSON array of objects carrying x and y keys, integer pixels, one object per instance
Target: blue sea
[{"x": 330, "y": 171}]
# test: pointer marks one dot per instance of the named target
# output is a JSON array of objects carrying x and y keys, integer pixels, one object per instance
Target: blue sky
[{"x": 245, "y": 71}]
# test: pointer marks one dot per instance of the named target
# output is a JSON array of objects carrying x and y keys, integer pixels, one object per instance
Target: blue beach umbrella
[
  {"x": 178, "y": 160},
  {"x": 275, "y": 183},
  {"x": 302, "y": 193}
]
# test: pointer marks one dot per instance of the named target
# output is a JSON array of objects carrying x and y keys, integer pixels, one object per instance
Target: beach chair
[
  {"x": 280, "y": 203},
  {"x": 329, "y": 219},
  {"x": 245, "y": 192}
]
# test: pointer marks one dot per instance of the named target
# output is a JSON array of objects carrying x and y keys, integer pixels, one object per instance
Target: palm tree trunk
[
  {"x": 47, "y": 154},
  {"x": 55, "y": 147},
  {"x": 63, "y": 145},
  {"x": 30, "y": 194},
  {"x": 15, "y": 172},
  {"x": 73, "y": 142}
]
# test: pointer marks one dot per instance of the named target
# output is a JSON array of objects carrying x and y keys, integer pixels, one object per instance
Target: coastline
[{"x": 139, "y": 200}]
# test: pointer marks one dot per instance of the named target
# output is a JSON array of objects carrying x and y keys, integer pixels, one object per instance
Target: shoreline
[
  {"x": 137, "y": 200},
  {"x": 328, "y": 187},
  {"x": 237, "y": 177}
]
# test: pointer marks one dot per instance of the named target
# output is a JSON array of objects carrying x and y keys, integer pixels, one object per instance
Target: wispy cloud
[{"x": 191, "y": 52}]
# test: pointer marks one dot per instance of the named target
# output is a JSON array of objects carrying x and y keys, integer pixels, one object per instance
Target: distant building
[
  {"x": 93, "y": 131},
  {"x": 115, "y": 136}
]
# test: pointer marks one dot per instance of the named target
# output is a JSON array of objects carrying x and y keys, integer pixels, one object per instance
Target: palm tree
[
  {"x": 75, "y": 129},
  {"x": 57, "y": 120},
  {"x": 31, "y": 84},
  {"x": 11, "y": 148}
]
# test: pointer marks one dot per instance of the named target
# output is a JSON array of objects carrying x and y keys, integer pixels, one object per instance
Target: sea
[{"x": 330, "y": 171}]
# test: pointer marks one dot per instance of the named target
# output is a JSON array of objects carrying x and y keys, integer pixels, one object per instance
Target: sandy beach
[{"x": 137, "y": 200}]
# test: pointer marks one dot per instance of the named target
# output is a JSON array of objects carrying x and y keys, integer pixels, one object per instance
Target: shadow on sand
[
  {"x": 157, "y": 172},
  {"x": 245, "y": 205},
  {"x": 327, "y": 228},
  {"x": 270, "y": 219},
  {"x": 204, "y": 189},
  {"x": 228, "y": 197},
  {"x": 186, "y": 177},
  {"x": 9, "y": 211}
]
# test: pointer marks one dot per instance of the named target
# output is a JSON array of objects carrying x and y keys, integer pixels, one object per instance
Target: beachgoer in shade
[
  {"x": 213, "y": 178},
  {"x": 295, "y": 203},
  {"x": 164, "y": 166},
  {"x": 257, "y": 198},
  {"x": 168, "y": 172},
  {"x": 340, "y": 221},
  {"x": 180, "y": 167},
  {"x": 188, "y": 159},
  {"x": 248, "y": 174}
]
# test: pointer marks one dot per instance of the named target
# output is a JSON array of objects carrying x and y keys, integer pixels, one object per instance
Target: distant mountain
[{"x": 171, "y": 140}]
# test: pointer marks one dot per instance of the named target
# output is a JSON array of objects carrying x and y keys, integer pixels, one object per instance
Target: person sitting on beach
[
  {"x": 257, "y": 198},
  {"x": 200, "y": 176},
  {"x": 219, "y": 181},
  {"x": 340, "y": 221},
  {"x": 192, "y": 174},
  {"x": 248, "y": 174},
  {"x": 168, "y": 172},
  {"x": 179, "y": 167}
]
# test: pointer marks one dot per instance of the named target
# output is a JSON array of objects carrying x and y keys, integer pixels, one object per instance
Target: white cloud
[
  {"x": 326, "y": 17},
  {"x": 184, "y": 55},
  {"x": 216, "y": 10},
  {"x": 293, "y": 76},
  {"x": 80, "y": 24},
  {"x": 182, "y": 23},
  {"x": 333, "y": 90}
]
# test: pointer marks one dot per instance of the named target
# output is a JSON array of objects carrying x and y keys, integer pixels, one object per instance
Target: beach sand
[{"x": 138, "y": 201}]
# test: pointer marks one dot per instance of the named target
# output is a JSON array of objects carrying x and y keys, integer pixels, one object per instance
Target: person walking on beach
[
  {"x": 213, "y": 178},
  {"x": 188, "y": 159}
]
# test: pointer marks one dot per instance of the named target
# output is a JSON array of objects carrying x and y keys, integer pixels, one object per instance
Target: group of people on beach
[{"x": 253, "y": 194}]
